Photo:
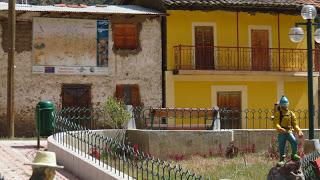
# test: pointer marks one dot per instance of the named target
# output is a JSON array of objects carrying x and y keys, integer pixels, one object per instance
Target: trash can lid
[{"x": 45, "y": 104}]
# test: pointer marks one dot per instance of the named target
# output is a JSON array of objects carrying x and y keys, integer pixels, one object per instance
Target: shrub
[
  {"x": 117, "y": 117},
  {"x": 231, "y": 150}
]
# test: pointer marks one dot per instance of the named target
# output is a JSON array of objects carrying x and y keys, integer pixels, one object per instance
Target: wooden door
[
  {"x": 260, "y": 50},
  {"x": 204, "y": 47},
  {"x": 230, "y": 106},
  {"x": 76, "y": 95},
  {"x": 317, "y": 57}
]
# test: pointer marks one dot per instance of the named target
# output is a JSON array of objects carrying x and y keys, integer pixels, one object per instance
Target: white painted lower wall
[{"x": 82, "y": 167}]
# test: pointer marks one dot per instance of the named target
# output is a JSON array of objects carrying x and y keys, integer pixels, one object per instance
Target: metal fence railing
[
  {"x": 184, "y": 118},
  {"x": 308, "y": 168},
  {"x": 188, "y": 118},
  {"x": 224, "y": 58},
  {"x": 124, "y": 160}
]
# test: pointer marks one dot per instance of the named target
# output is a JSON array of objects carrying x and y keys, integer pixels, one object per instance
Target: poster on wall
[
  {"x": 70, "y": 46},
  {"x": 102, "y": 42}
]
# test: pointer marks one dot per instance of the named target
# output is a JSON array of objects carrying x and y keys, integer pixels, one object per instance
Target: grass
[{"x": 244, "y": 167}]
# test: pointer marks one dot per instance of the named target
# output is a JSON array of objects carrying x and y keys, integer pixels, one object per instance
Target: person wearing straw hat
[{"x": 44, "y": 166}]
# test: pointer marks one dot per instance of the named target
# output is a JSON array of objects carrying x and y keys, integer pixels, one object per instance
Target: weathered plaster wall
[
  {"x": 142, "y": 68},
  {"x": 68, "y": 42}
]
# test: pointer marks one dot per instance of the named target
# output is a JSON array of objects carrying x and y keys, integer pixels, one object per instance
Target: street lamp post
[{"x": 296, "y": 34}]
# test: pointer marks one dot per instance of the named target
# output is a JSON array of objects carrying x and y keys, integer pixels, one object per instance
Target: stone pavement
[{"x": 13, "y": 153}]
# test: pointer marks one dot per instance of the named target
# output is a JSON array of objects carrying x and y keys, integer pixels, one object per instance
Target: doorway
[
  {"x": 76, "y": 95},
  {"x": 260, "y": 50},
  {"x": 204, "y": 47},
  {"x": 229, "y": 103}
]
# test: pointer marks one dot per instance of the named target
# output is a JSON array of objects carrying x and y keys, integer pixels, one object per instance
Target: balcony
[{"x": 220, "y": 58}]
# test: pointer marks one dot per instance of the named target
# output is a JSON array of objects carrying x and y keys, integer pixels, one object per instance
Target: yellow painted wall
[
  {"x": 260, "y": 95},
  {"x": 297, "y": 94},
  {"x": 198, "y": 94},
  {"x": 179, "y": 28}
]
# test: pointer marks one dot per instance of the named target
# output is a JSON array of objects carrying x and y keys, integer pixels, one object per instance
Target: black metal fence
[
  {"x": 184, "y": 118},
  {"x": 122, "y": 159},
  {"x": 224, "y": 118},
  {"x": 308, "y": 168}
]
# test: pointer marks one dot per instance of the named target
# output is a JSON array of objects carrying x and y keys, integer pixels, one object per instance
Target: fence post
[{"x": 152, "y": 114}]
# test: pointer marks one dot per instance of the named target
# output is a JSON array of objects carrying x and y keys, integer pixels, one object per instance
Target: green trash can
[{"x": 44, "y": 118}]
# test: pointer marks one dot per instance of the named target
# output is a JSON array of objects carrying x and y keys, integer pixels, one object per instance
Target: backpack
[{"x": 281, "y": 117}]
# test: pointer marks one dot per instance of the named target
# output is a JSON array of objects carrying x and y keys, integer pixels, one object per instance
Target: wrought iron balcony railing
[{"x": 242, "y": 58}]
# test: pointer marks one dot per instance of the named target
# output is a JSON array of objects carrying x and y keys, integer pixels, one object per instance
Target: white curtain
[{"x": 131, "y": 123}]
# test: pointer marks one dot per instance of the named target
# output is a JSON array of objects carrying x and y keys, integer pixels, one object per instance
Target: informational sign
[
  {"x": 70, "y": 70},
  {"x": 70, "y": 46}
]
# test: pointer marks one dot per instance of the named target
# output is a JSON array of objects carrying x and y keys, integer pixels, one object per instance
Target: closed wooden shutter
[
  {"x": 125, "y": 36},
  {"x": 128, "y": 93},
  {"x": 135, "y": 95},
  {"x": 23, "y": 36},
  {"x": 317, "y": 57},
  {"x": 119, "y": 91}
]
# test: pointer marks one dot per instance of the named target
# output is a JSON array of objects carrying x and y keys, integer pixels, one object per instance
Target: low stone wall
[
  {"x": 168, "y": 144},
  {"x": 165, "y": 144}
]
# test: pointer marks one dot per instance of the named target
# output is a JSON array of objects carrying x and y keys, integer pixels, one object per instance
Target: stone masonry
[{"x": 142, "y": 67}]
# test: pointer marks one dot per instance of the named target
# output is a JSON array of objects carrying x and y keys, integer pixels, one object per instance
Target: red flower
[
  {"x": 135, "y": 148},
  {"x": 95, "y": 153}
]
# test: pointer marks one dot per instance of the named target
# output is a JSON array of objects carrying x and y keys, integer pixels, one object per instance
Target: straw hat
[{"x": 45, "y": 159}]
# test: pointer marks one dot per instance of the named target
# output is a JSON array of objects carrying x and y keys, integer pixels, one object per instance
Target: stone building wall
[{"x": 142, "y": 67}]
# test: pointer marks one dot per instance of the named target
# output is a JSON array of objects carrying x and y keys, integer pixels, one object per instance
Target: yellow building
[{"x": 235, "y": 54}]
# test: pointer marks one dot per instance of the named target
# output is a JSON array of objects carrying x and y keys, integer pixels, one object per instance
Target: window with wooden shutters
[
  {"x": 125, "y": 36},
  {"x": 129, "y": 93}
]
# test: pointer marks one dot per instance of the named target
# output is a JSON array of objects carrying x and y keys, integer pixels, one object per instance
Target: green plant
[{"x": 117, "y": 117}]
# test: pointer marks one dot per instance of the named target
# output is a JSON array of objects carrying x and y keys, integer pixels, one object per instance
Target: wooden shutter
[
  {"x": 131, "y": 91},
  {"x": 119, "y": 91},
  {"x": 125, "y": 36},
  {"x": 135, "y": 95},
  {"x": 23, "y": 36}
]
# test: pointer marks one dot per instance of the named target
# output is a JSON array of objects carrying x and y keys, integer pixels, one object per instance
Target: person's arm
[
  {"x": 295, "y": 124},
  {"x": 276, "y": 122}
]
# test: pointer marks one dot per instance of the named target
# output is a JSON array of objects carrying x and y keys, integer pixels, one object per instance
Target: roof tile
[{"x": 265, "y": 4}]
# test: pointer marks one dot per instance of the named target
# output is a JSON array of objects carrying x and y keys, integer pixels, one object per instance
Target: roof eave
[{"x": 264, "y": 9}]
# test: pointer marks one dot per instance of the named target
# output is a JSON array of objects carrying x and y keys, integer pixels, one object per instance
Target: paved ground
[{"x": 16, "y": 152}]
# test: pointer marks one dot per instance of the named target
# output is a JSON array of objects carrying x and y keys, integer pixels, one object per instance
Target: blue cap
[{"x": 284, "y": 100}]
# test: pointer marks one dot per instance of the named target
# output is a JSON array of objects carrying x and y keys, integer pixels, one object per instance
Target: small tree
[{"x": 117, "y": 117}]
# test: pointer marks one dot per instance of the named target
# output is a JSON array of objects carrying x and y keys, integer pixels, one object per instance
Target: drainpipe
[
  {"x": 238, "y": 55},
  {"x": 279, "y": 40},
  {"x": 164, "y": 57}
]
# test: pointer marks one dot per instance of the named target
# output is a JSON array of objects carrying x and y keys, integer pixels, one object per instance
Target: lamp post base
[{"x": 311, "y": 145}]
